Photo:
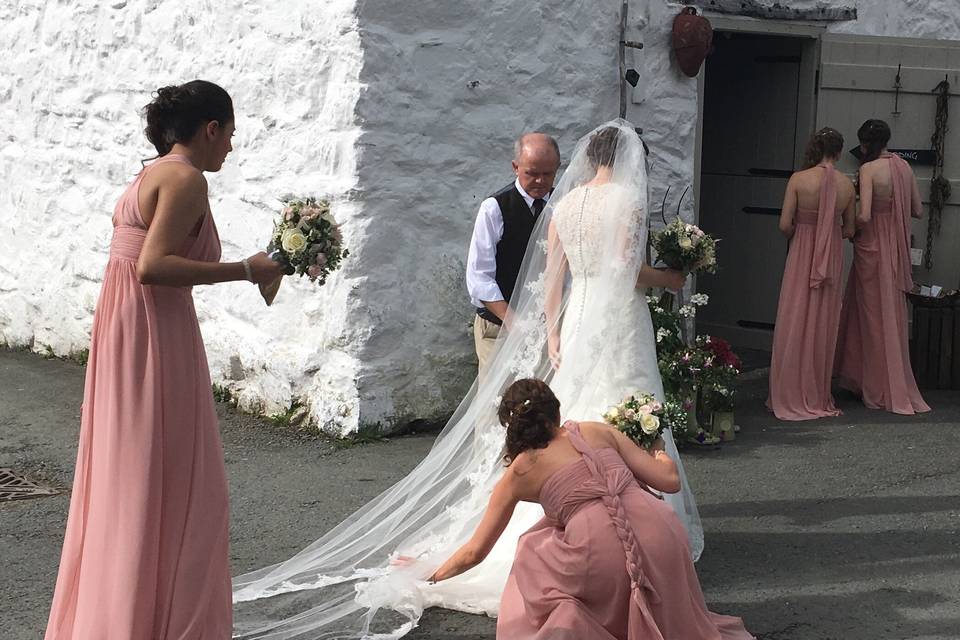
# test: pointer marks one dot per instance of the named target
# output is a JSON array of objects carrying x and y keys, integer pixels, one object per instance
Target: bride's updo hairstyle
[
  {"x": 874, "y": 136},
  {"x": 531, "y": 414},
  {"x": 602, "y": 148},
  {"x": 826, "y": 143},
  {"x": 178, "y": 112}
]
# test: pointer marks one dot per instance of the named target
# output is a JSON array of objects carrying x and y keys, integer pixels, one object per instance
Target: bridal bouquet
[
  {"x": 306, "y": 240},
  {"x": 685, "y": 247},
  {"x": 638, "y": 416}
]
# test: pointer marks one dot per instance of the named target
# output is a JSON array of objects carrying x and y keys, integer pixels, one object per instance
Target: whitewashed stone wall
[
  {"x": 405, "y": 113},
  {"x": 72, "y": 80},
  {"x": 448, "y": 86}
]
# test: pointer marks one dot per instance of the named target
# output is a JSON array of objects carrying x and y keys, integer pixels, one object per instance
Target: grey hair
[{"x": 522, "y": 139}]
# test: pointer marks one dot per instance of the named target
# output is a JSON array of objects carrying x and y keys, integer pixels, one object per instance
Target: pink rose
[
  {"x": 314, "y": 271},
  {"x": 320, "y": 260},
  {"x": 288, "y": 214}
]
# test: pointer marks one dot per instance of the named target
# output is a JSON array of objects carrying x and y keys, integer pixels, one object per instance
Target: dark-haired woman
[
  {"x": 873, "y": 357},
  {"x": 818, "y": 212},
  {"x": 146, "y": 548},
  {"x": 609, "y": 559}
]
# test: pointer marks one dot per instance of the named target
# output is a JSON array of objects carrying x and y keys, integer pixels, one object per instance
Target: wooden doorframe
[{"x": 810, "y": 33}]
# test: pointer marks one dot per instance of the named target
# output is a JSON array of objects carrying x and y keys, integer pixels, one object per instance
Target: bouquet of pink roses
[
  {"x": 306, "y": 240},
  {"x": 638, "y": 416}
]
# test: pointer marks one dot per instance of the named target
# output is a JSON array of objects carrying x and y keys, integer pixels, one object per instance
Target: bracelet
[{"x": 246, "y": 269}]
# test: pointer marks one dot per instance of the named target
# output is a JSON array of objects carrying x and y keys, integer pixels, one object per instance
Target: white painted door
[{"x": 858, "y": 75}]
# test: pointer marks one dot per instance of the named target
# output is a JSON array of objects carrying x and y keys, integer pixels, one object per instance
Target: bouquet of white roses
[
  {"x": 306, "y": 240},
  {"x": 638, "y": 416},
  {"x": 685, "y": 247}
]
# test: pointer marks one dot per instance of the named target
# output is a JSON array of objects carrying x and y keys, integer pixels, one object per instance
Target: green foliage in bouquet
[
  {"x": 306, "y": 239},
  {"x": 674, "y": 416},
  {"x": 685, "y": 247}
]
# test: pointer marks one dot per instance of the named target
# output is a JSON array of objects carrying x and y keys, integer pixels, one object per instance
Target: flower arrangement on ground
[{"x": 702, "y": 373}]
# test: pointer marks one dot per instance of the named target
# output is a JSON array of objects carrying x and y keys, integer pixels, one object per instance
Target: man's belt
[{"x": 489, "y": 316}]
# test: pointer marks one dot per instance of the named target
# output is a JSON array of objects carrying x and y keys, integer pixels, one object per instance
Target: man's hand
[{"x": 500, "y": 309}]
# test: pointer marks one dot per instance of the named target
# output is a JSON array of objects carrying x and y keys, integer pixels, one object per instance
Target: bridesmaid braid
[
  {"x": 531, "y": 413},
  {"x": 826, "y": 143},
  {"x": 178, "y": 112}
]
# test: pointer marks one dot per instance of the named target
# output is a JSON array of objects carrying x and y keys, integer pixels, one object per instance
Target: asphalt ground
[{"x": 845, "y": 528}]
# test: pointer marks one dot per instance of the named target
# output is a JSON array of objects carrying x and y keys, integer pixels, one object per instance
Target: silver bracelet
[{"x": 246, "y": 269}]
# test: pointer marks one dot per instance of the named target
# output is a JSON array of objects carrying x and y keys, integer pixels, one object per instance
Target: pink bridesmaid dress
[
  {"x": 873, "y": 357},
  {"x": 608, "y": 561},
  {"x": 145, "y": 555},
  {"x": 808, "y": 314}
]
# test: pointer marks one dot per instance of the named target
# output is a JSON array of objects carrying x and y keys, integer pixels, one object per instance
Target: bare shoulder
[
  {"x": 180, "y": 176},
  {"x": 599, "y": 432}
]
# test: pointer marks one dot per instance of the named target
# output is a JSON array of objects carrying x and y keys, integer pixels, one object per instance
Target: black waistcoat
[{"x": 518, "y": 223}]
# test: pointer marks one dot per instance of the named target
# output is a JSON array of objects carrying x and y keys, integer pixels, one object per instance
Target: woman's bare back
[{"x": 807, "y": 184}]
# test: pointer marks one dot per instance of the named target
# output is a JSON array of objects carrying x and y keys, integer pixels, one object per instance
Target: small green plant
[
  {"x": 285, "y": 419},
  {"x": 223, "y": 394},
  {"x": 80, "y": 357}
]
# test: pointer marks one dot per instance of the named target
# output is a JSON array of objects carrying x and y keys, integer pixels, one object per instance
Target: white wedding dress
[{"x": 579, "y": 280}]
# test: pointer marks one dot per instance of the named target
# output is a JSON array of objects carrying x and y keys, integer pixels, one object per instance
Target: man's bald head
[
  {"x": 536, "y": 160},
  {"x": 535, "y": 143}
]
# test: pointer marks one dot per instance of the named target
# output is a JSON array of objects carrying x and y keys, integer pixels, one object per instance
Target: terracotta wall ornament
[{"x": 692, "y": 40}]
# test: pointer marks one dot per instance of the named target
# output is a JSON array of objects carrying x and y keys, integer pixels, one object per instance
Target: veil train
[{"x": 348, "y": 583}]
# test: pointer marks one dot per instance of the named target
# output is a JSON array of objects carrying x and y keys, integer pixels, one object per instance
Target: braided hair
[{"x": 531, "y": 413}]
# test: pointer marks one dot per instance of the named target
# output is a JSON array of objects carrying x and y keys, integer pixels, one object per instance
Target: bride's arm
[
  {"x": 556, "y": 274},
  {"x": 500, "y": 508},
  {"x": 647, "y": 276},
  {"x": 660, "y": 278}
]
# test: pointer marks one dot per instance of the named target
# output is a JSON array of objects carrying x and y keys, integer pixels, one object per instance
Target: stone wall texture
[{"x": 403, "y": 113}]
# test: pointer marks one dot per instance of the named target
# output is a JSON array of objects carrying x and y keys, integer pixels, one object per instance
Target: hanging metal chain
[{"x": 939, "y": 186}]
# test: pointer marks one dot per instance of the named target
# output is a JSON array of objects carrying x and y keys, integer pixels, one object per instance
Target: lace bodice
[{"x": 593, "y": 222}]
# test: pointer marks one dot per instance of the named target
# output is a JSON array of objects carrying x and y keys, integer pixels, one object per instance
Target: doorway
[{"x": 758, "y": 108}]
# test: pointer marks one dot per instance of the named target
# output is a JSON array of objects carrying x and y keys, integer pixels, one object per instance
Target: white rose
[
  {"x": 686, "y": 243},
  {"x": 649, "y": 423},
  {"x": 293, "y": 241}
]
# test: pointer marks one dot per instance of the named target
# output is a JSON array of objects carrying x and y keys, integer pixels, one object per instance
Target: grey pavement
[{"x": 845, "y": 528}]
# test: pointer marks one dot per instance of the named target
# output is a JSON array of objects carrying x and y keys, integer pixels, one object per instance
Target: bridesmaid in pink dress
[
  {"x": 808, "y": 315},
  {"x": 145, "y": 554},
  {"x": 873, "y": 357},
  {"x": 609, "y": 560}
]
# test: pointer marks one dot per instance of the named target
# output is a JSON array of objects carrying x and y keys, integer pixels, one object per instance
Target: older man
[{"x": 500, "y": 237}]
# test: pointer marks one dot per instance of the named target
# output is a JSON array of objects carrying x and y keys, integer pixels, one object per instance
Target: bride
[{"x": 580, "y": 323}]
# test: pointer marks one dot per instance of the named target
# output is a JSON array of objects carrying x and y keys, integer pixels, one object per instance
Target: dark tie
[{"x": 538, "y": 206}]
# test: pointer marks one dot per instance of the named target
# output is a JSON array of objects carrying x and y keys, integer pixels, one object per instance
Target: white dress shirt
[{"x": 482, "y": 257}]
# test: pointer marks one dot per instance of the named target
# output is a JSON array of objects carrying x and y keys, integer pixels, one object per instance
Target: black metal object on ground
[{"x": 935, "y": 347}]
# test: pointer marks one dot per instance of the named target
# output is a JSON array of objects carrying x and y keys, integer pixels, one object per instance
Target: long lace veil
[{"x": 365, "y": 578}]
